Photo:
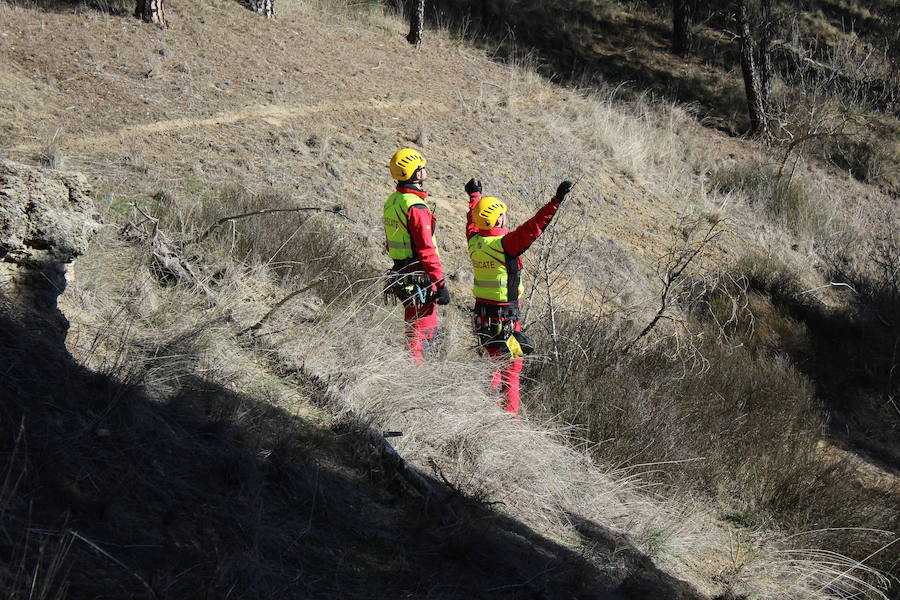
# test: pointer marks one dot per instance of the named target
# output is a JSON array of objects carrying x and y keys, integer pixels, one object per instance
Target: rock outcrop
[{"x": 46, "y": 220}]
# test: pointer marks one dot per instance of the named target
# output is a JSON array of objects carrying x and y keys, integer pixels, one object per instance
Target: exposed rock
[{"x": 46, "y": 220}]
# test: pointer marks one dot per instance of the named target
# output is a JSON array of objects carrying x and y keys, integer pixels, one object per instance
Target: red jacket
[
  {"x": 421, "y": 227},
  {"x": 517, "y": 241}
]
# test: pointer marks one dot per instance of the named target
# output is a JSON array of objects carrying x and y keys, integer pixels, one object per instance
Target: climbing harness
[
  {"x": 409, "y": 289},
  {"x": 494, "y": 327}
]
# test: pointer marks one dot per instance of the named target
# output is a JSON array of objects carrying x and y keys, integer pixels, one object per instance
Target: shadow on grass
[
  {"x": 113, "y": 7},
  {"x": 605, "y": 542},
  {"x": 587, "y": 44},
  {"x": 852, "y": 355},
  {"x": 208, "y": 493}
]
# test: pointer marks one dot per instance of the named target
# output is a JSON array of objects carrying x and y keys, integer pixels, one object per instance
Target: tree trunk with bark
[
  {"x": 416, "y": 21},
  {"x": 151, "y": 11},
  {"x": 753, "y": 84},
  {"x": 681, "y": 27},
  {"x": 265, "y": 7},
  {"x": 764, "y": 52}
]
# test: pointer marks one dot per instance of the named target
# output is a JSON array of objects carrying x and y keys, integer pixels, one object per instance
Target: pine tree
[
  {"x": 266, "y": 8},
  {"x": 416, "y": 21},
  {"x": 151, "y": 11}
]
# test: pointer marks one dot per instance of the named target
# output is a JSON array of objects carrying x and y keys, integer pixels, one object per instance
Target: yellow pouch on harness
[
  {"x": 514, "y": 348},
  {"x": 514, "y": 345}
]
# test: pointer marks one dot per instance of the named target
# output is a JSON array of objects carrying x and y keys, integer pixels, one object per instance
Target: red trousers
[
  {"x": 506, "y": 375},
  {"x": 421, "y": 327},
  {"x": 506, "y": 378}
]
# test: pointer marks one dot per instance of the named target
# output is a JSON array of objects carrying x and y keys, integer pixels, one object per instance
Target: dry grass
[
  {"x": 200, "y": 150},
  {"x": 797, "y": 204},
  {"x": 450, "y": 426}
]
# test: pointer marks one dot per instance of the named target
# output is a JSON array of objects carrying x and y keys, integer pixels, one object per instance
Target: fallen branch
[
  {"x": 280, "y": 303},
  {"x": 412, "y": 475},
  {"x": 267, "y": 211},
  {"x": 167, "y": 263}
]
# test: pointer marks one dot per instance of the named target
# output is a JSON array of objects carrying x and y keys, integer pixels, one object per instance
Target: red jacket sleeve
[
  {"x": 470, "y": 225},
  {"x": 421, "y": 229},
  {"x": 517, "y": 241}
]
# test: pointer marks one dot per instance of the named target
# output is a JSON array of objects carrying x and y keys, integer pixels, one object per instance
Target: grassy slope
[
  {"x": 149, "y": 110},
  {"x": 314, "y": 104}
]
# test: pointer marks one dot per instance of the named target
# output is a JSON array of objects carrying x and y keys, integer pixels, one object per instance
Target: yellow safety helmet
[
  {"x": 405, "y": 163},
  {"x": 487, "y": 212}
]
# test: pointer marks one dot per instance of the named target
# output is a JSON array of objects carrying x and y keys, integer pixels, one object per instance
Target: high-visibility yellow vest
[
  {"x": 396, "y": 223},
  {"x": 491, "y": 270}
]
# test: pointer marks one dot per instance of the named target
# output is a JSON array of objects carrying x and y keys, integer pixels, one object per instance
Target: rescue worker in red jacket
[
  {"x": 417, "y": 275},
  {"x": 496, "y": 261}
]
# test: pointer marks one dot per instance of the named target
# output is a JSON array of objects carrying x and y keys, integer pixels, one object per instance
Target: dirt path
[
  {"x": 868, "y": 475},
  {"x": 273, "y": 114}
]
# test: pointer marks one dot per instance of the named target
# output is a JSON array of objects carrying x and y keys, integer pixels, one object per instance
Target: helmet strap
[{"x": 415, "y": 184}]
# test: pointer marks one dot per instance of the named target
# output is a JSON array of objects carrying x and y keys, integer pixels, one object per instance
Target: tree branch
[
  {"x": 680, "y": 260},
  {"x": 266, "y": 211}
]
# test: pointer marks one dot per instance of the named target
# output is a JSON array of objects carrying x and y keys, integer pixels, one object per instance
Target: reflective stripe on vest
[
  {"x": 396, "y": 220},
  {"x": 488, "y": 284},
  {"x": 489, "y": 265}
]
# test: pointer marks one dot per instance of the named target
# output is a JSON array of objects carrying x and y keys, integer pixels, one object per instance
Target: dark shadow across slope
[{"x": 212, "y": 494}]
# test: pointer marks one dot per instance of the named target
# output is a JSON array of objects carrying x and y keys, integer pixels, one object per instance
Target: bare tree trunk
[
  {"x": 752, "y": 81},
  {"x": 266, "y": 8},
  {"x": 487, "y": 14},
  {"x": 764, "y": 53},
  {"x": 681, "y": 27},
  {"x": 416, "y": 21},
  {"x": 151, "y": 11}
]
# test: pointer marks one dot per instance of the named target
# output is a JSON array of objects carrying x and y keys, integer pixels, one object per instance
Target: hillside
[{"x": 188, "y": 438}]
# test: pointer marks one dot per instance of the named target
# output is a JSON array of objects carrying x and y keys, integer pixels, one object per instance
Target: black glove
[
  {"x": 473, "y": 186},
  {"x": 443, "y": 295},
  {"x": 563, "y": 190}
]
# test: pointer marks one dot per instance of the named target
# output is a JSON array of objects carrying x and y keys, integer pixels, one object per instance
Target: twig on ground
[{"x": 280, "y": 303}]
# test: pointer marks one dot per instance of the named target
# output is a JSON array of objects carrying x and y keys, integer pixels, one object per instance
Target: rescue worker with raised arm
[
  {"x": 416, "y": 278},
  {"x": 496, "y": 261}
]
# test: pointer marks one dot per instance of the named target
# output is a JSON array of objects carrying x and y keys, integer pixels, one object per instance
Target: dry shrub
[
  {"x": 743, "y": 428},
  {"x": 298, "y": 247},
  {"x": 544, "y": 476},
  {"x": 838, "y": 103},
  {"x": 650, "y": 409},
  {"x": 788, "y": 201}
]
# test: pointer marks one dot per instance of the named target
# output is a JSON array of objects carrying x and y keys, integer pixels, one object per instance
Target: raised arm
[
  {"x": 520, "y": 239},
  {"x": 473, "y": 189}
]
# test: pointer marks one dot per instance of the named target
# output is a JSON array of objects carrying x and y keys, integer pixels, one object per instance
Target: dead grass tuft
[{"x": 51, "y": 154}]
